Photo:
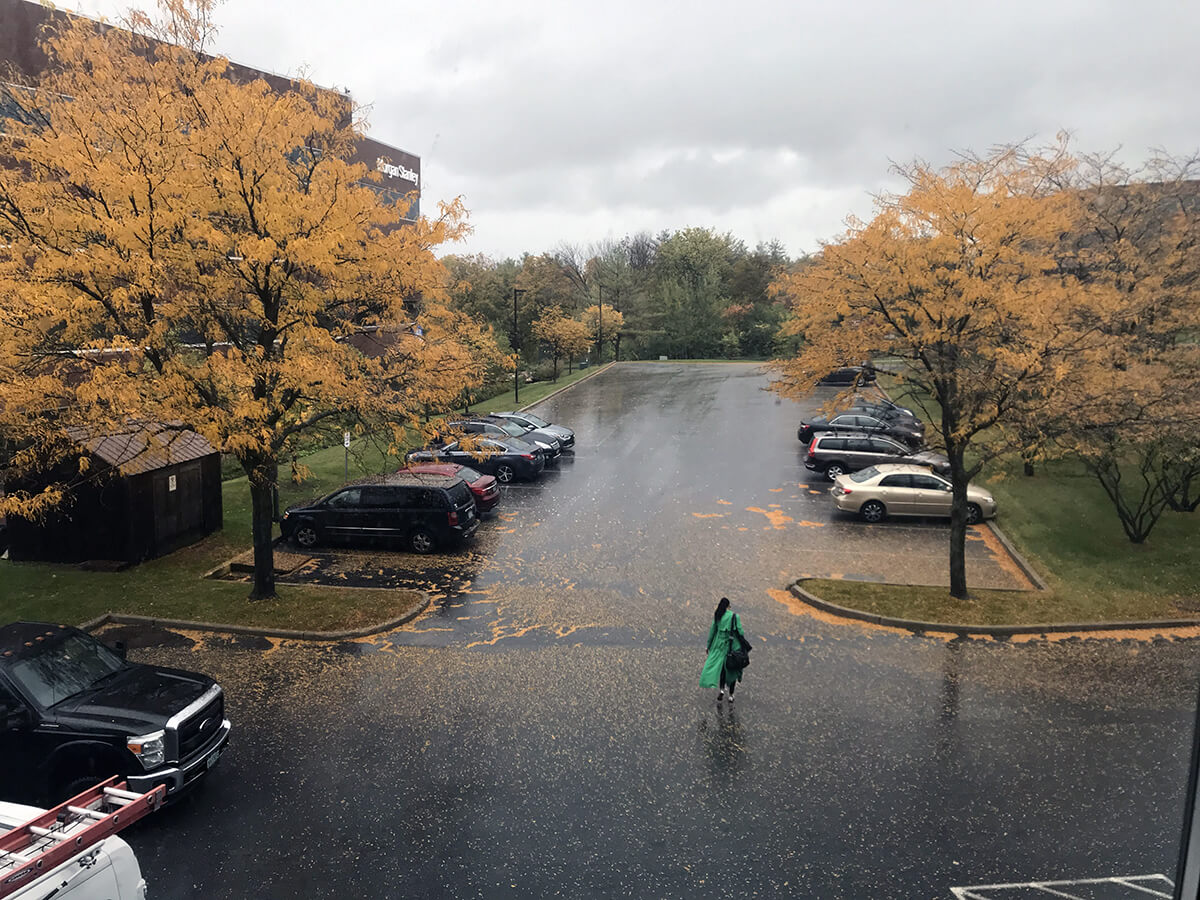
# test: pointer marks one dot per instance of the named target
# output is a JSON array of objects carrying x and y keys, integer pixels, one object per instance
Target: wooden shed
[{"x": 150, "y": 490}]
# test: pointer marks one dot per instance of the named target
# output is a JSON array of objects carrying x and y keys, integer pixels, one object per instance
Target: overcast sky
[{"x": 581, "y": 121}]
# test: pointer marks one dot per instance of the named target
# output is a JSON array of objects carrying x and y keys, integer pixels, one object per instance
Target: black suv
[
  {"x": 73, "y": 712},
  {"x": 864, "y": 374},
  {"x": 423, "y": 512},
  {"x": 836, "y": 452}
]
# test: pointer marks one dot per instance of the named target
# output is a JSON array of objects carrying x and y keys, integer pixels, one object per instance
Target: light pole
[
  {"x": 516, "y": 341},
  {"x": 600, "y": 328},
  {"x": 616, "y": 297}
]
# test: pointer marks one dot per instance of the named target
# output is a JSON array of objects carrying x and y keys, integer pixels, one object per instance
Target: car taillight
[
  {"x": 452, "y": 517},
  {"x": 812, "y": 448},
  {"x": 526, "y": 456}
]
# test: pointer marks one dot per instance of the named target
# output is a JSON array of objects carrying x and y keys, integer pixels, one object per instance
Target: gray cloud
[{"x": 552, "y": 116}]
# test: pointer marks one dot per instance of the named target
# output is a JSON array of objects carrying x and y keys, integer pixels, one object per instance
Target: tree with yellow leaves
[
  {"x": 957, "y": 280},
  {"x": 563, "y": 336},
  {"x": 188, "y": 248},
  {"x": 602, "y": 322}
]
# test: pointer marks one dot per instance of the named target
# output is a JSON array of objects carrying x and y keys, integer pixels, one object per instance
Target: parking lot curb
[
  {"x": 567, "y": 387},
  {"x": 1022, "y": 563},
  {"x": 254, "y": 631},
  {"x": 917, "y": 626}
]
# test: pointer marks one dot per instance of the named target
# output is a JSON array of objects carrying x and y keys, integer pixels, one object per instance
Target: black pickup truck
[{"x": 73, "y": 712}]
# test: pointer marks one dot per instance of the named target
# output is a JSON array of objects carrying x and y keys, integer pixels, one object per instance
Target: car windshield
[
  {"x": 65, "y": 669},
  {"x": 513, "y": 428},
  {"x": 864, "y": 474},
  {"x": 466, "y": 473},
  {"x": 534, "y": 420}
]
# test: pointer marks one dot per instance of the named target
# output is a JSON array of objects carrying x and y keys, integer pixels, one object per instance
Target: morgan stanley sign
[{"x": 395, "y": 171}]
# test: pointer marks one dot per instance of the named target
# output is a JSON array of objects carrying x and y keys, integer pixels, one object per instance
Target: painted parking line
[{"x": 1116, "y": 887}]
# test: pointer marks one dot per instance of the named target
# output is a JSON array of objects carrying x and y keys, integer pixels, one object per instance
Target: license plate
[{"x": 212, "y": 760}]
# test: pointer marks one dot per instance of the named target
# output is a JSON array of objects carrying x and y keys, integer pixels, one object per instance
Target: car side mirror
[{"x": 13, "y": 718}]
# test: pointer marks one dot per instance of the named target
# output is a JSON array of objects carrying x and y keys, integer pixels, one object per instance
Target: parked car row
[
  {"x": 867, "y": 433},
  {"x": 436, "y": 500},
  {"x": 874, "y": 454}
]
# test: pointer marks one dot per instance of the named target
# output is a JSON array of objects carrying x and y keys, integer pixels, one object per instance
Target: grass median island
[{"x": 1065, "y": 527}]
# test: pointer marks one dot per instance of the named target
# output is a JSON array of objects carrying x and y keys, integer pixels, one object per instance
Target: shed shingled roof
[{"x": 145, "y": 447}]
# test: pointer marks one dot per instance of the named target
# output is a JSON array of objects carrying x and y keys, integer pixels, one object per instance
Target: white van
[{"x": 106, "y": 870}]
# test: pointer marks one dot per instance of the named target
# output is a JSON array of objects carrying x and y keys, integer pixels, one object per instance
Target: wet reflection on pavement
[{"x": 539, "y": 730}]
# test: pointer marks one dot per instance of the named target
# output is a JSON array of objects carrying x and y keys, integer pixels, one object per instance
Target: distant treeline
[{"x": 692, "y": 293}]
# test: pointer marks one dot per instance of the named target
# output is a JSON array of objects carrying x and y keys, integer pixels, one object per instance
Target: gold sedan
[{"x": 904, "y": 490}]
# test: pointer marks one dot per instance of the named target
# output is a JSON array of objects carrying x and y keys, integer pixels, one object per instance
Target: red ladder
[{"x": 52, "y": 837}]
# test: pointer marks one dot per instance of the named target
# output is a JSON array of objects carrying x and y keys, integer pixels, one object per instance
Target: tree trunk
[
  {"x": 958, "y": 524},
  {"x": 261, "y": 491},
  {"x": 556, "y": 370},
  {"x": 274, "y": 490},
  {"x": 1028, "y": 468}
]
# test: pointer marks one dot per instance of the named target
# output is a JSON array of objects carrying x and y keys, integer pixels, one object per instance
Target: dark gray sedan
[
  {"x": 502, "y": 429},
  {"x": 863, "y": 423},
  {"x": 508, "y": 459},
  {"x": 532, "y": 422}
]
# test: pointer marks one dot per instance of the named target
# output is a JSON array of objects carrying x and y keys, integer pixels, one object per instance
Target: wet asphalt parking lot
[{"x": 539, "y": 730}]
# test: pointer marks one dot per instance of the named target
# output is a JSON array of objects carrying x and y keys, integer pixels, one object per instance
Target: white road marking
[{"x": 1162, "y": 887}]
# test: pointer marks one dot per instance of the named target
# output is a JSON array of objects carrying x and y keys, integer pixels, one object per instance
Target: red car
[{"x": 483, "y": 487}]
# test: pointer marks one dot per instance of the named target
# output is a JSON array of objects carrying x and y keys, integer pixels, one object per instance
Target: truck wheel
[{"x": 69, "y": 787}]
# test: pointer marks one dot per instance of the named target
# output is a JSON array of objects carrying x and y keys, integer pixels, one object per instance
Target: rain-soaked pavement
[{"x": 539, "y": 731}]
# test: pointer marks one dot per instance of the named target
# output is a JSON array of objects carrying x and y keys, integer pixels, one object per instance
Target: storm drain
[{"x": 1124, "y": 887}]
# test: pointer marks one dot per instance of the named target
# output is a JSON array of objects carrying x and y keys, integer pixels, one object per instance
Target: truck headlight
[{"x": 149, "y": 749}]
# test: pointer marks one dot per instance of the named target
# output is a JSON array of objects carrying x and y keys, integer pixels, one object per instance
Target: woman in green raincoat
[{"x": 725, "y": 629}]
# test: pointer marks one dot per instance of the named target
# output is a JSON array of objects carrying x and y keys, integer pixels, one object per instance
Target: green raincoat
[{"x": 719, "y": 637}]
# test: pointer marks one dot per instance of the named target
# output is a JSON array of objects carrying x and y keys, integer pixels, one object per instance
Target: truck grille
[{"x": 200, "y": 728}]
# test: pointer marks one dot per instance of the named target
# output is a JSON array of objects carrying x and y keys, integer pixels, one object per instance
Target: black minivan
[{"x": 422, "y": 512}]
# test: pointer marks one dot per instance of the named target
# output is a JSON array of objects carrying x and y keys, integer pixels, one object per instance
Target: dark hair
[{"x": 721, "y": 607}]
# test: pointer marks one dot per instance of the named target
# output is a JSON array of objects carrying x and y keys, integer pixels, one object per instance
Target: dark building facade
[
  {"x": 21, "y": 22},
  {"x": 148, "y": 491}
]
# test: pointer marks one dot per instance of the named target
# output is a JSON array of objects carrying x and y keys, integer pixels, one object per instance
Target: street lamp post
[
  {"x": 600, "y": 328},
  {"x": 516, "y": 341},
  {"x": 616, "y": 297}
]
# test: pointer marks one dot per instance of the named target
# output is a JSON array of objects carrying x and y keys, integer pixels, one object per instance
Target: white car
[{"x": 893, "y": 489}]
